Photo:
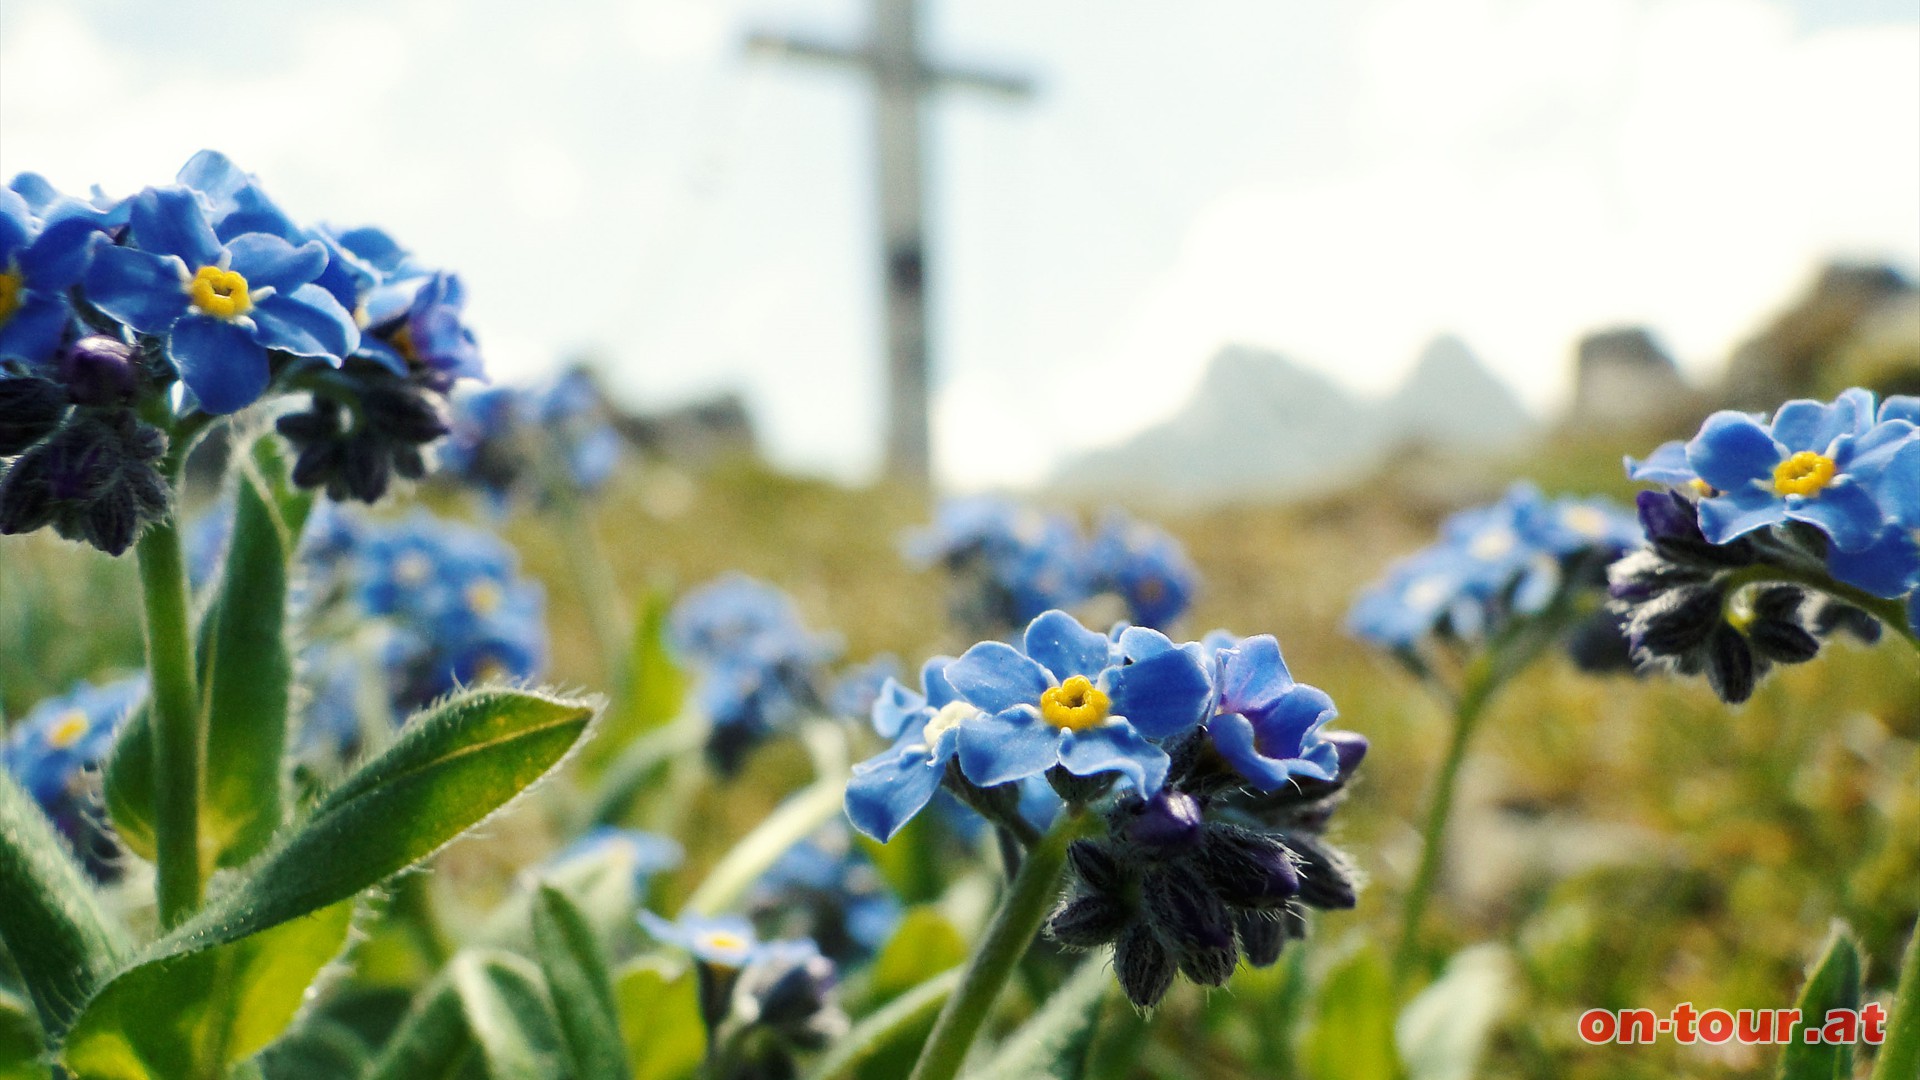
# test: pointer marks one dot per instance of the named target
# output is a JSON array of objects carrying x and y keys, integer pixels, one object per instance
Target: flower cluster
[
  {"x": 206, "y": 285},
  {"x": 1009, "y": 563},
  {"x": 512, "y": 441},
  {"x": 1759, "y": 515},
  {"x": 760, "y": 669},
  {"x": 55, "y": 750},
  {"x": 761, "y": 1002},
  {"x": 1514, "y": 558},
  {"x": 1214, "y": 733},
  {"x": 825, "y": 889}
]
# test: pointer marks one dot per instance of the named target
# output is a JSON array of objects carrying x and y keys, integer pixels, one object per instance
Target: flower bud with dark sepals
[
  {"x": 1194, "y": 923},
  {"x": 1599, "y": 644},
  {"x": 363, "y": 426},
  {"x": 1143, "y": 966},
  {"x": 1672, "y": 525},
  {"x": 30, "y": 409},
  {"x": 1166, "y": 825},
  {"x": 1676, "y": 622},
  {"x": 1093, "y": 863},
  {"x": 99, "y": 370},
  {"x": 1732, "y": 669},
  {"x": 94, "y": 480},
  {"x": 1827, "y": 617},
  {"x": 1776, "y": 633},
  {"x": 1078, "y": 790},
  {"x": 1327, "y": 878},
  {"x": 1263, "y": 935},
  {"x": 1248, "y": 869},
  {"x": 1088, "y": 921}
]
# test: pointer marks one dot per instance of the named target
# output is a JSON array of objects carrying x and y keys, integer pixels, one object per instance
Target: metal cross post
[{"x": 891, "y": 57}]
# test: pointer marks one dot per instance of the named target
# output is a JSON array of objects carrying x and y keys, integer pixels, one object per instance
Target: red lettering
[
  {"x": 1753, "y": 1025},
  {"x": 1683, "y": 1017},
  {"x": 1783, "y": 1024},
  {"x": 1843, "y": 1027},
  {"x": 1874, "y": 1018},
  {"x": 1637, "y": 1025},
  {"x": 1598, "y": 1026},
  {"x": 1716, "y": 1026}
]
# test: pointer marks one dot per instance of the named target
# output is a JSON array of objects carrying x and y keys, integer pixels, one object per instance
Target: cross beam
[{"x": 901, "y": 78}]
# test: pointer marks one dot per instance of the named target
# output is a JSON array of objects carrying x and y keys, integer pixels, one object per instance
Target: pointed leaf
[
  {"x": 246, "y": 668},
  {"x": 50, "y": 920},
  {"x": 660, "y": 1017},
  {"x": 582, "y": 989},
  {"x": 318, "y": 1049},
  {"x": 449, "y": 769},
  {"x": 1053, "y": 1044},
  {"x": 127, "y": 783},
  {"x": 431, "y": 1041},
  {"x": 508, "y": 1016},
  {"x": 1443, "y": 1031},
  {"x": 197, "y": 1013},
  {"x": 1832, "y": 983}
]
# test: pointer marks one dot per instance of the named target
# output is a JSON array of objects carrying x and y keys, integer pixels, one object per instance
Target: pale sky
[{"x": 1338, "y": 181}]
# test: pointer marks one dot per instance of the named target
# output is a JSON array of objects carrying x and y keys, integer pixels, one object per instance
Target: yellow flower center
[
  {"x": 1076, "y": 704},
  {"x": 1805, "y": 473},
  {"x": 1702, "y": 488},
  {"x": 11, "y": 286},
  {"x": 219, "y": 293},
  {"x": 70, "y": 728},
  {"x": 401, "y": 340},
  {"x": 484, "y": 597}
]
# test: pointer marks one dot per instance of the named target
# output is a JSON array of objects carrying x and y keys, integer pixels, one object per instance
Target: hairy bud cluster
[
  {"x": 1192, "y": 883},
  {"x": 1685, "y": 603},
  {"x": 81, "y": 461},
  {"x": 365, "y": 426}
]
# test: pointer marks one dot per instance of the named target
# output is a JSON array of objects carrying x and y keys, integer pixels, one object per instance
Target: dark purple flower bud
[
  {"x": 1194, "y": 922},
  {"x": 1095, "y": 866},
  {"x": 1248, "y": 869},
  {"x": 1350, "y": 747},
  {"x": 367, "y": 470},
  {"x": 1732, "y": 668},
  {"x": 1831, "y": 617},
  {"x": 1668, "y": 515},
  {"x": 99, "y": 370},
  {"x": 1262, "y": 937},
  {"x": 26, "y": 502},
  {"x": 1782, "y": 642},
  {"x": 1678, "y": 621},
  {"x": 1600, "y": 645},
  {"x": 1166, "y": 824},
  {"x": 405, "y": 414},
  {"x": 1143, "y": 967},
  {"x": 1326, "y": 877},
  {"x": 30, "y": 408},
  {"x": 1087, "y": 921}
]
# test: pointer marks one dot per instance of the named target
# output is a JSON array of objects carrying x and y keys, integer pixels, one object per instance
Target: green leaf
[
  {"x": 20, "y": 1042},
  {"x": 660, "y": 1016},
  {"x": 924, "y": 944},
  {"x": 1443, "y": 1031},
  {"x": 448, "y": 770},
  {"x": 1053, "y": 1044},
  {"x": 911, "y": 1011},
  {"x": 1352, "y": 1038},
  {"x": 1832, "y": 983},
  {"x": 318, "y": 1049},
  {"x": 653, "y": 689},
  {"x": 245, "y": 675},
  {"x": 508, "y": 1016},
  {"x": 431, "y": 1041},
  {"x": 582, "y": 990},
  {"x": 246, "y": 668},
  {"x": 64, "y": 945},
  {"x": 194, "y": 1014}
]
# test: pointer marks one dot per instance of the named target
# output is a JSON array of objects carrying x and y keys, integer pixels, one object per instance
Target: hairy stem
[
  {"x": 1030, "y": 896},
  {"x": 1893, "y": 612},
  {"x": 179, "y": 731}
]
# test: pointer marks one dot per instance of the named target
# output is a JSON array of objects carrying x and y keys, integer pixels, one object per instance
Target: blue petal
[
  {"x": 1888, "y": 567},
  {"x": 995, "y": 749},
  {"x": 1254, "y": 675},
  {"x": 138, "y": 288},
  {"x": 1162, "y": 695},
  {"x": 306, "y": 321},
  {"x": 220, "y": 362},
  {"x": 1808, "y": 425},
  {"x": 34, "y": 331},
  {"x": 16, "y": 224},
  {"x": 1666, "y": 465},
  {"x": 1898, "y": 486},
  {"x": 213, "y": 174},
  {"x": 1901, "y": 407},
  {"x": 933, "y": 681},
  {"x": 1234, "y": 737},
  {"x": 1064, "y": 647},
  {"x": 58, "y": 257},
  {"x": 1725, "y": 517},
  {"x": 1844, "y": 511},
  {"x": 893, "y": 706},
  {"x": 1115, "y": 747},
  {"x": 887, "y": 791},
  {"x": 171, "y": 221},
  {"x": 995, "y": 677},
  {"x": 1732, "y": 451},
  {"x": 268, "y": 261},
  {"x": 1140, "y": 642}
]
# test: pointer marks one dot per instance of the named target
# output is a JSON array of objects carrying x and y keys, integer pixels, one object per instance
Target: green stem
[
  {"x": 179, "y": 735},
  {"x": 1891, "y": 612},
  {"x": 1900, "y": 1053},
  {"x": 1480, "y": 683},
  {"x": 1024, "y": 908}
]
